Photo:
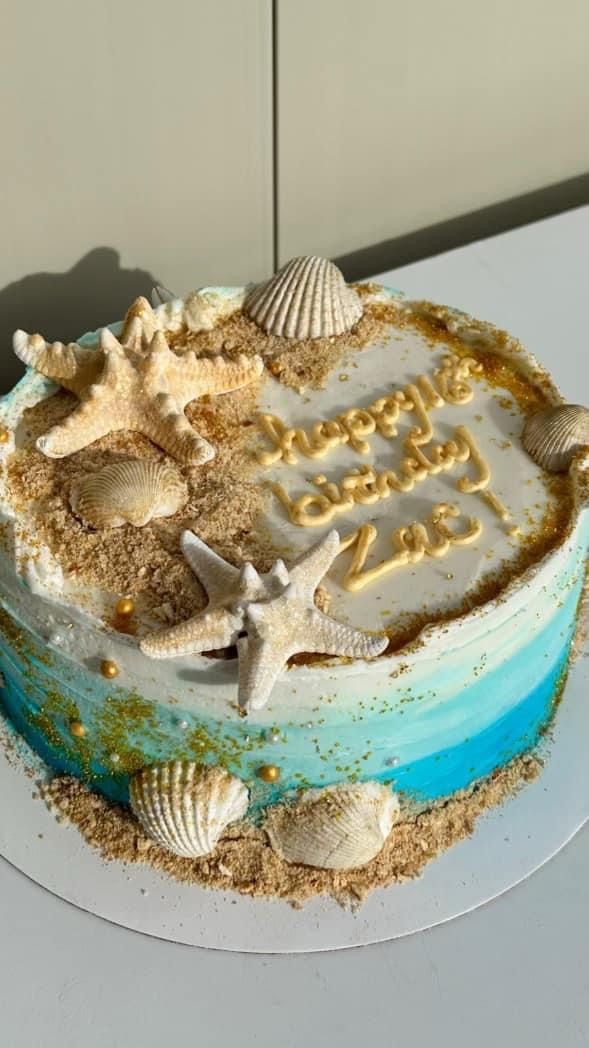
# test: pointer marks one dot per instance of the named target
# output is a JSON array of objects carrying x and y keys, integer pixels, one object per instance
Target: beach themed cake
[{"x": 289, "y": 578}]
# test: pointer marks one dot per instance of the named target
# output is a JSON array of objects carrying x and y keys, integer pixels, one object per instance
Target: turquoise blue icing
[
  {"x": 487, "y": 721},
  {"x": 454, "y": 768}
]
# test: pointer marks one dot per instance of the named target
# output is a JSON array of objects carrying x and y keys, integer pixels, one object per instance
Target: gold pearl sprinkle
[
  {"x": 125, "y": 606},
  {"x": 109, "y": 669},
  {"x": 268, "y": 773},
  {"x": 77, "y": 729},
  {"x": 4, "y": 435}
]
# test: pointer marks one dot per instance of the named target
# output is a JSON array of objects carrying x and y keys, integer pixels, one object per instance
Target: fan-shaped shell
[
  {"x": 185, "y": 807},
  {"x": 308, "y": 298},
  {"x": 130, "y": 492},
  {"x": 335, "y": 828},
  {"x": 554, "y": 435}
]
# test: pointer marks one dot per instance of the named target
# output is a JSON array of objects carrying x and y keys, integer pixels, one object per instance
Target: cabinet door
[
  {"x": 395, "y": 116},
  {"x": 137, "y": 147}
]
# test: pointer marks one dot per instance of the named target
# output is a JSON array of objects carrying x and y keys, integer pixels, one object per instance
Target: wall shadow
[
  {"x": 94, "y": 292},
  {"x": 465, "y": 229}
]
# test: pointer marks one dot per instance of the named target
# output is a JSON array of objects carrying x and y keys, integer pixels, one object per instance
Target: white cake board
[{"x": 508, "y": 845}]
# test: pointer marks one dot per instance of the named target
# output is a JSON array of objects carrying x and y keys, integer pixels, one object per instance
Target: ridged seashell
[
  {"x": 335, "y": 828},
  {"x": 308, "y": 298},
  {"x": 132, "y": 492},
  {"x": 185, "y": 806},
  {"x": 554, "y": 435}
]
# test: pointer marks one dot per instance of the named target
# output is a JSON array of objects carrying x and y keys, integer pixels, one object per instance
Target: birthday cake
[{"x": 289, "y": 577}]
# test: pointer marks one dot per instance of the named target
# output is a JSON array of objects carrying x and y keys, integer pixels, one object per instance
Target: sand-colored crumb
[
  {"x": 224, "y": 506},
  {"x": 146, "y": 562},
  {"x": 245, "y": 862},
  {"x": 295, "y": 364}
]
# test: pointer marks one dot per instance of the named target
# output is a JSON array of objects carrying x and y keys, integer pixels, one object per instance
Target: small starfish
[
  {"x": 270, "y": 617},
  {"x": 136, "y": 384}
]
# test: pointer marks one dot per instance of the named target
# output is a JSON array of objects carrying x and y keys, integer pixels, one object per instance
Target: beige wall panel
[
  {"x": 393, "y": 116},
  {"x": 137, "y": 143}
]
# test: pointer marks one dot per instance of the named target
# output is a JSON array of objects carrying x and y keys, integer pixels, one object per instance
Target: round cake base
[{"x": 509, "y": 843}]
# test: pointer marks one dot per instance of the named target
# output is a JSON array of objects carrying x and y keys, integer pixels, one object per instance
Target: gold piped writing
[
  {"x": 449, "y": 385},
  {"x": 496, "y": 505},
  {"x": 445, "y": 527},
  {"x": 411, "y": 544},
  {"x": 365, "y": 486}
]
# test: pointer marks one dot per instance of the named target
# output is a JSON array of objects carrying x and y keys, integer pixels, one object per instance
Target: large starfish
[
  {"x": 269, "y": 617},
  {"x": 136, "y": 383}
]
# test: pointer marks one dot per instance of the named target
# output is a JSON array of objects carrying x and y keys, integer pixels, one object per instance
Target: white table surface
[{"x": 513, "y": 973}]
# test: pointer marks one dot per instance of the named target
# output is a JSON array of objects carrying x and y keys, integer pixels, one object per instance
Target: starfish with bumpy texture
[
  {"x": 269, "y": 617},
  {"x": 136, "y": 384}
]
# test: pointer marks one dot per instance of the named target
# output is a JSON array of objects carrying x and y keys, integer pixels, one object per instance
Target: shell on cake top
[
  {"x": 308, "y": 298},
  {"x": 185, "y": 807},
  {"x": 131, "y": 492},
  {"x": 553, "y": 436},
  {"x": 335, "y": 828}
]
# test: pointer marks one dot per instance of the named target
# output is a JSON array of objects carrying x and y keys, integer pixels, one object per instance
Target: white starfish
[
  {"x": 135, "y": 384},
  {"x": 270, "y": 617}
]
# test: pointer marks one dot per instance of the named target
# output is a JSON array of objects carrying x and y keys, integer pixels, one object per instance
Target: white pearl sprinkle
[
  {"x": 392, "y": 762},
  {"x": 56, "y": 638},
  {"x": 273, "y": 735},
  {"x": 183, "y": 724},
  {"x": 114, "y": 758}
]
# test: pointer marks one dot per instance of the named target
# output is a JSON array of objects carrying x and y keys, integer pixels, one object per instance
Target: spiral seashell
[
  {"x": 553, "y": 436},
  {"x": 185, "y": 807},
  {"x": 335, "y": 828},
  {"x": 132, "y": 492},
  {"x": 308, "y": 298}
]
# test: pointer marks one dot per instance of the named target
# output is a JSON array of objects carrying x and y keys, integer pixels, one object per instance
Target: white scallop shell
[
  {"x": 185, "y": 807},
  {"x": 335, "y": 828},
  {"x": 554, "y": 435},
  {"x": 308, "y": 298},
  {"x": 132, "y": 492}
]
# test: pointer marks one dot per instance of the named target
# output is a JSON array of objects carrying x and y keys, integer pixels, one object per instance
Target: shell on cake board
[
  {"x": 335, "y": 828},
  {"x": 308, "y": 298},
  {"x": 553, "y": 436},
  {"x": 131, "y": 492},
  {"x": 185, "y": 807}
]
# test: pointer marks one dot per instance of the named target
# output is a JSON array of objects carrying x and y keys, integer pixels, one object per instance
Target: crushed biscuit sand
[
  {"x": 224, "y": 506},
  {"x": 245, "y": 862}
]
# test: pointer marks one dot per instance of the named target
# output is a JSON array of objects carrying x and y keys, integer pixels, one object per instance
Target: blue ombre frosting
[{"x": 430, "y": 722}]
